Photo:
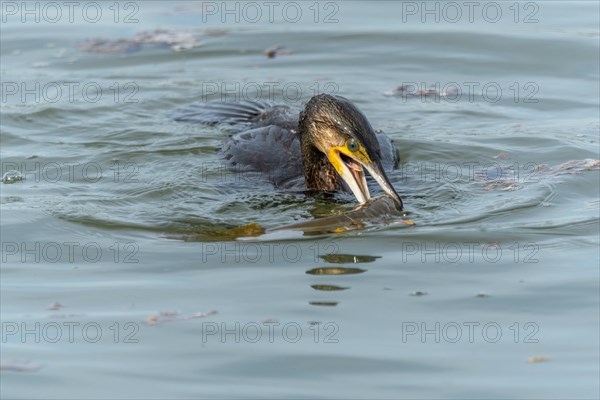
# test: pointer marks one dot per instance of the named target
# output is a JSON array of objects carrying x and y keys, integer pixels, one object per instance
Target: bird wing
[
  {"x": 253, "y": 113},
  {"x": 271, "y": 151},
  {"x": 265, "y": 141}
]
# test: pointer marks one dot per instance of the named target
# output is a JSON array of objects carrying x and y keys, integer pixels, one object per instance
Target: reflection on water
[
  {"x": 377, "y": 211},
  {"x": 335, "y": 271},
  {"x": 348, "y": 258},
  {"x": 323, "y": 303},
  {"x": 218, "y": 233},
  {"x": 328, "y": 288}
]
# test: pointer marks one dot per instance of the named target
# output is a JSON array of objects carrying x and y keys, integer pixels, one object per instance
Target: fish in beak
[{"x": 350, "y": 161}]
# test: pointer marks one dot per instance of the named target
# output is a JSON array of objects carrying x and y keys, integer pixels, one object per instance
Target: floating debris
[
  {"x": 55, "y": 306},
  {"x": 20, "y": 366},
  {"x": 506, "y": 178},
  {"x": 418, "y": 293},
  {"x": 573, "y": 167},
  {"x": 277, "y": 51},
  {"x": 54, "y": 316},
  {"x": 502, "y": 185},
  {"x": 170, "y": 316},
  {"x": 503, "y": 155},
  {"x": 105, "y": 46},
  {"x": 537, "y": 359},
  {"x": 12, "y": 176},
  {"x": 412, "y": 91},
  {"x": 203, "y": 314},
  {"x": 215, "y": 32},
  {"x": 176, "y": 40}
]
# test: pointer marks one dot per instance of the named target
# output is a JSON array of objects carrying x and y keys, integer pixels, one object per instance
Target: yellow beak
[{"x": 349, "y": 165}]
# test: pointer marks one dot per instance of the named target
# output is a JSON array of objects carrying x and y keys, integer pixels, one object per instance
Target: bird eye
[{"x": 352, "y": 145}]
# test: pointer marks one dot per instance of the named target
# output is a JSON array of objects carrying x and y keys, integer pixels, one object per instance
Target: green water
[{"x": 501, "y": 266}]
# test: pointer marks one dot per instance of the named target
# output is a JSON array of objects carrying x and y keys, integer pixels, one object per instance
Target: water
[{"x": 115, "y": 243}]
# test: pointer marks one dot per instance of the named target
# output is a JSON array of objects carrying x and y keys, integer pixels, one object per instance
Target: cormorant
[{"x": 324, "y": 148}]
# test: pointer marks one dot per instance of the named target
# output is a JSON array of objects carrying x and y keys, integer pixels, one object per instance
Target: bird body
[{"x": 325, "y": 147}]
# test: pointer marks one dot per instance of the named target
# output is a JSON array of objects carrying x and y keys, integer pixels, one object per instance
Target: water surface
[{"x": 494, "y": 293}]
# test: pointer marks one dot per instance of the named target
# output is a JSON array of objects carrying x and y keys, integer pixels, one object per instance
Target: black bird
[{"x": 325, "y": 148}]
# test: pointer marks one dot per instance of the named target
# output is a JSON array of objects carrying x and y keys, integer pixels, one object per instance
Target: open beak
[
  {"x": 350, "y": 167},
  {"x": 376, "y": 172}
]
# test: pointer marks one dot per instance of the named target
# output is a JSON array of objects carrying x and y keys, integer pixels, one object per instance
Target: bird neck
[{"x": 319, "y": 174}]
